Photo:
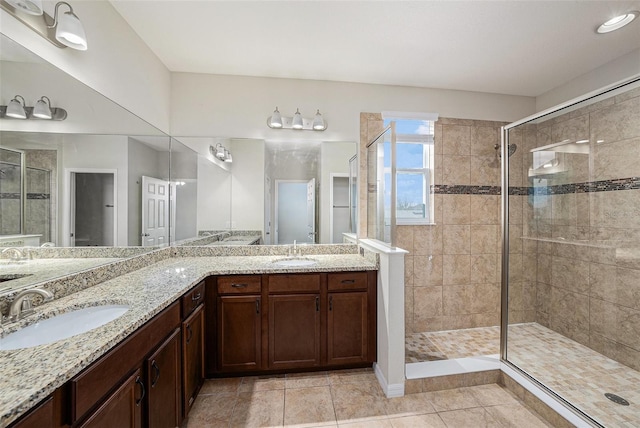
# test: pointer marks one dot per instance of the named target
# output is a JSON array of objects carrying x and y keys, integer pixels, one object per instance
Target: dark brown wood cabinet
[
  {"x": 163, "y": 374},
  {"x": 192, "y": 357},
  {"x": 294, "y": 331},
  {"x": 41, "y": 416},
  {"x": 308, "y": 321},
  {"x": 239, "y": 330},
  {"x": 123, "y": 407},
  {"x": 347, "y": 328}
]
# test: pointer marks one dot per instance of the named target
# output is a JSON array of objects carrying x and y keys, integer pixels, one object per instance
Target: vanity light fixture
[
  {"x": 297, "y": 122},
  {"x": 17, "y": 109},
  {"x": 617, "y": 22},
  {"x": 221, "y": 152},
  {"x": 32, "y": 7},
  {"x": 65, "y": 31},
  {"x": 69, "y": 29},
  {"x": 42, "y": 109}
]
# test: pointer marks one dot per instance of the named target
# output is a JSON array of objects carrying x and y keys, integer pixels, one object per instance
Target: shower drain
[{"x": 616, "y": 399}]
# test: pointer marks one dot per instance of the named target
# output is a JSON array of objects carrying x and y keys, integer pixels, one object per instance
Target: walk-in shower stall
[{"x": 571, "y": 254}]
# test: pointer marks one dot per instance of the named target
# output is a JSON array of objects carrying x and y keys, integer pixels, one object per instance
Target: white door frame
[
  {"x": 331, "y": 176},
  {"x": 68, "y": 216}
]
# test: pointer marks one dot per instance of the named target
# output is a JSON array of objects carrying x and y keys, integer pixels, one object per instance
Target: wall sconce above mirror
[
  {"x": 17, "y": 109},
  {"x": 277, "y": 121},
  {"x": 221, "y": 152},
  {"x": 65, "y": 29}
]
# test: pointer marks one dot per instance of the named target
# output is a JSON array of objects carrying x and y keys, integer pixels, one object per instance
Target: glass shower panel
[
  {"x": 380, "y": 187},
  {"x": 573, "y": 283},
  {"x": 11, "y": 192},
  {"x": 38, "y": 203},
  {"x": 353, "y": 194}
]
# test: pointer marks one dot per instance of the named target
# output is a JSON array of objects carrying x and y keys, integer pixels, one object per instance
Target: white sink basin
[
  {"x": 295, "y": 262},
  {"x": 62, "y": 326}
]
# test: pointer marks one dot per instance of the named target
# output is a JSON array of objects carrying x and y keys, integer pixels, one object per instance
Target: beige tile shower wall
[
  {"x": 371, "y": 124},
  {"x": 588, "y": 288},
  {"x": 452, "y": 273}
]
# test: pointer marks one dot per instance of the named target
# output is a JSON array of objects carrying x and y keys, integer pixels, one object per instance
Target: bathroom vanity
[{"x": 192, "y": 315}]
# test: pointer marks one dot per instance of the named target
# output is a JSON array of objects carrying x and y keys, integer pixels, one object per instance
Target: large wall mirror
[{"x": 103, "y": 177}]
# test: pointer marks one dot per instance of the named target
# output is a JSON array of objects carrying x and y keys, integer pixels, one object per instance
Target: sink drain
[{"x": 616, "y": 399}]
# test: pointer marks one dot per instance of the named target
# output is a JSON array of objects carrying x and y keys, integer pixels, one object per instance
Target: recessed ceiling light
[{"x": 618, "y": 22}]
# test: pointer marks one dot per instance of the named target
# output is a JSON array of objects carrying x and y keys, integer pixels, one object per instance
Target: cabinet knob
[{"x": 196, "y": 297}]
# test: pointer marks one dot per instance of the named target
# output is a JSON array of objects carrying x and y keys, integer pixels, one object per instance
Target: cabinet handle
[
  {"x": 189, "y": 333},
  {"x": 257, "y": 306},
  {"x": 317, "y": 304},
  {"x": 330, "y": 303},
  {"x": 234, "y": 285},
  {"x": 348, "y": 281},
  {"x": 142, "y": 389},
  {"x": 157, "y": 375},
  {"x": 196, "y": 297}
]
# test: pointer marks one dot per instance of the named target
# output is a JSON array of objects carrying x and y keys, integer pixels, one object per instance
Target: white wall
[
  {"x": 117, "y": 64},
  {"x": 99, "y": 152},
  {"x": 235, "y": 106},
  {"x": 247, "y": 184},
  {"x": 617, "y": 70},
  {"x": 214, "y": 196},
  {"x": 334, "y": 158}
]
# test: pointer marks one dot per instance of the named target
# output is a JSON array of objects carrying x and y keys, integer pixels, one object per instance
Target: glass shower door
[{"x": 572, "y": 284}]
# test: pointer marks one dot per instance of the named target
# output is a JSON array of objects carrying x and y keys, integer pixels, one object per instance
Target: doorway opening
[
  {"x": 295, "y": 211},
  {"x": 92, "y": 210}
]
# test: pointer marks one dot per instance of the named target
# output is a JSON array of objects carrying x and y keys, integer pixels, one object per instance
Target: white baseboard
[{"x": 390, "y": 391}]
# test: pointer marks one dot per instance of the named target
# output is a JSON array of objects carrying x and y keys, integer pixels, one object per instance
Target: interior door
[
  {"x": 155, "y": 211},
  {"x": 311, "y": 210},
  {"x": 92, "y": 206}
]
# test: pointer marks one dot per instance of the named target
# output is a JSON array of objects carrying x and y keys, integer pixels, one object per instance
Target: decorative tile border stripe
[
  {"x": 29, "y": 196},
  {"x": 631, "y": 183},
  {"x": 456, "y": 189}
]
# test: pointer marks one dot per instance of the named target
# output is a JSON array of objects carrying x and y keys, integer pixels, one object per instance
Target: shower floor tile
[
  {"x": 578, "y": 374},
  {"x": 444, "y": 345}
]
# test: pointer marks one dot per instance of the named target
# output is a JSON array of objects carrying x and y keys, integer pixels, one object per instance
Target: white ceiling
[{"x": 509, "y": 47}]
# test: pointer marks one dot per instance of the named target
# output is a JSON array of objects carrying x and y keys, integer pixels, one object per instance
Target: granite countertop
[
  {"x": 27, "y": 272},
  {"x": 29, "y": 375}
]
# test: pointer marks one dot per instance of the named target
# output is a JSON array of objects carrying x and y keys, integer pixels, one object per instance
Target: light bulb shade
[
  {"x": 318, "y": 122},
  {"x": 70, "y": 32},
  {"x": 297, "y": 120},
  {"x": 15, "y": 109},
  {"x": 42, "y": 109},
  {"x": 276, "y": 119},
  {"x": 32, "y": 7},
  {"x": 220, "y": 152}
]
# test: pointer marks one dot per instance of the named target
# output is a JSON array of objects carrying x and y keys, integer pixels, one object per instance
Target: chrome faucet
[
  {"x": 17, "y": 254},
  {"x": 21, "y": 305},
  {"x": 48, "y": 244},
  {"x": 293, "y": 250}
]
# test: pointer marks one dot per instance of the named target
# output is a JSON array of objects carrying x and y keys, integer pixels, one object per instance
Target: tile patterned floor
[
  {"x": 351, "y": 398},
  {"x": 577, "y": 373},
  {"x": 443, "y": 345}
]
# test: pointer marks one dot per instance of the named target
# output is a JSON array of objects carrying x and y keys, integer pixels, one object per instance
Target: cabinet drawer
[
  {"x": 295, "y": 283},
  {"x": 89, "y": 387},
  {"x": 192, "y": 299},
  {"x": 347, "y": 281},
  {"x": 239, "y": 284}
]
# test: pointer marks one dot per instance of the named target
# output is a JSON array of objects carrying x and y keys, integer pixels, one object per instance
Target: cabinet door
[
  {"x": 239, "y": 333},
  {"x": 164, "y": 383},
  {"x": 294, "y": 331},
  {"x": 39, "y": 417},
  {"x": 123, "y": 408},
  {"x": 192, "y": 357},
  {"x": 347, "y": 324}
]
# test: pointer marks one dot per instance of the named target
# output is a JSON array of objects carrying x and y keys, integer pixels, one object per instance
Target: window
[{"x": 414, "y": 170}]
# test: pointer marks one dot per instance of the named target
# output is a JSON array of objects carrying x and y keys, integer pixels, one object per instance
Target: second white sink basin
[
  {"x": 295, "y": 262},
  {"x": 62, "y": 326}
]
